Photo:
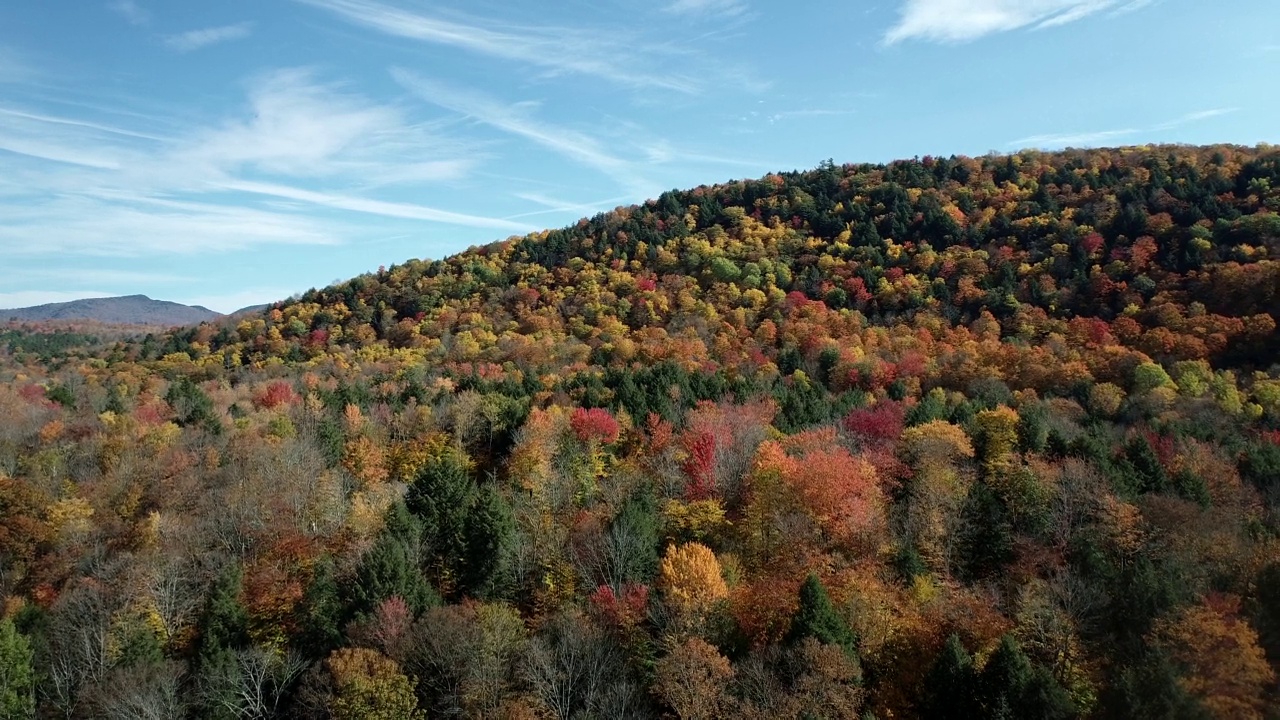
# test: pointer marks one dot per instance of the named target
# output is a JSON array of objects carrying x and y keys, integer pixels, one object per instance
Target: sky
[{"x": 234, "y": 153}]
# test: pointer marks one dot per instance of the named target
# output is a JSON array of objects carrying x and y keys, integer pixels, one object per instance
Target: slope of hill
[
  {"x": 956, "y": 436},
  {"x": 125, "y": 310}
]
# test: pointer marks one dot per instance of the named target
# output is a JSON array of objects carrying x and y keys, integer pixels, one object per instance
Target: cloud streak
[
  {"x": 558, "y": 50},
  {"x": 196, "y": 39},
  {"x": 720, "y": 8},
  {"x": 576, "y": 146},
  {"x": 958, "y": 21},
  {"x": 93, "y": 189},
  {"x": 1085, "y": 139},
  {"x": 1195, "y": 117},
  {"x": 405, "y": 211}
]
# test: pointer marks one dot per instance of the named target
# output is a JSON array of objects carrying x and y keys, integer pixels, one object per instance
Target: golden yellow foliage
[{"x": 690, "y": 578}]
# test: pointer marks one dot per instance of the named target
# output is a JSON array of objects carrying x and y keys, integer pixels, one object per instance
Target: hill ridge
[{"x": 137, "y": 309}]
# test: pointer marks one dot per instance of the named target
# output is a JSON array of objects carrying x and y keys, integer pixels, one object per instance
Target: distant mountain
[
  {"x": 250, "y": 310},
  {"x": 127, "y": 310}
]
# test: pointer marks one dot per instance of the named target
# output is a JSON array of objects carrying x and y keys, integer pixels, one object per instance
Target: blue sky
[{"x": 237, "y": 152}]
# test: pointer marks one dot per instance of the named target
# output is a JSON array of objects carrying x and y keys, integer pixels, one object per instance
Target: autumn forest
[{"x": 957, "y": 437}]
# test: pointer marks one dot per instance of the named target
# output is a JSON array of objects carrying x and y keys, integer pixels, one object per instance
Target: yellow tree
[
  {"x": 367, "y": 685},
  {"x": 938, "y": 489},
  {"x": 689, "y": 577}
]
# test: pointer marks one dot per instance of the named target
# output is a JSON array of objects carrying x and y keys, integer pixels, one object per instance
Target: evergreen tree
[
  {"x": 17, "y": 678},
  {"x": 986, "y": 535},
  {"x": 1150, "y": 690},
  {"x": 817, "y": 618},
  {"x": 191, "y": 406},
  {"x": 637, "y": 526},
  {"x": 490, "y": 528},
  {"x": 321, "y": 612},
  {"x": 391, "y": 568},
  {"x": 223, "y": 631},
  {"x": 1142, "y": 469},
  {"x": 441, "y": 498},
  {"x": 1010, "y": 687},
  {"x": 952, "y": 684},
  {"x": 225, "y": 623}
]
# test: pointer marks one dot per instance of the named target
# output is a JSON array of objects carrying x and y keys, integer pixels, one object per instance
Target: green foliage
[
  {"x": 191, "y": 406},
  {"x": 952, "y": 289},
  {"x": 1150, "y": 689},
  {"x": 985, "y": 542},
  {"x": 17, "y": 677},
  {"x": 224, "y": 625},
  {"x": 1260, "y": 465},
  {"x": 909, "y": 564},
  {"x": 1139, "y": 470},
  {"x": 321, "y": 612},
  {"x": 61, "y": 394},
  {"x": 637, "y": 527},
  {"x": 1033, "y": 427},
  {"x": 951, "y": 687},
  {"x": 392, "y": 567},
  {"x": 490, "y": 529},
  {"x": 1009, "y": 687},
  {"x": 817, "y": 618},
  {"x": 223, "y": 631}
]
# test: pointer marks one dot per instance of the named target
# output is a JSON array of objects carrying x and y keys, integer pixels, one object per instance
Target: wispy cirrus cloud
[
  {"x": 554, "y": 205},
  {"x": 572, "y": 144},
  {"x": 719, "y": 8},
  {"x": 1085, "y": 139},
  {"x": 956, "y": 21},
  {"x": 204, "y": 37},
  {"x": 553, "y": 49},
  {"x": 1072, "y": 138},
  {"x": 131, "y": 11},
  {"x": 299, "y": 127},
  {"x": 98, "y": 189},
  {"x": 407, "y": 211},
  {"x": 1195, "y": 117}
]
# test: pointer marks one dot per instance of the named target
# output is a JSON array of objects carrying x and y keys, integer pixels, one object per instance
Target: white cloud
[
  {"x": 1085, "y": 139},
  {"x": 954, "y": 21},
  {"x": 1194, "y": 117},
  {"x": 572, "y": 144},
  {"x": 87, "y": 226},
  {"x": 81, "y": 187},
  {"x": 196, "y": 39},
  {"x": 554, "y": 205},
  {"x": 1071, "y": 139},
  {"x": 51, "y": 151},
  {"x": 720, "y": 8},
  {"x": 298, "y": 127},
  {"x": 375, "y": 207},
  {"x": 55, "y": 120},
  {"x": 795, "y": 114},
  {"x": 131, "y": 11},
  {"x": 593, "y": 52}
]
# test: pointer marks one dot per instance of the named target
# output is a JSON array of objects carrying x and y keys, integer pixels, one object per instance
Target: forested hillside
[
  {"x": 128, "y": 310},
  {"x": 949, "y": 437}
]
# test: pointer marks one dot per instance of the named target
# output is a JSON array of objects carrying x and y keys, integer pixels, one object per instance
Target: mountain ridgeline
[
  {"x": 945, "y": 437},
  {"x": 125, "y": 310}
]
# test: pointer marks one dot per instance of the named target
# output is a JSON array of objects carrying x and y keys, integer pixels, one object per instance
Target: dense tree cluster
[{"x": 948, "y": 437}]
